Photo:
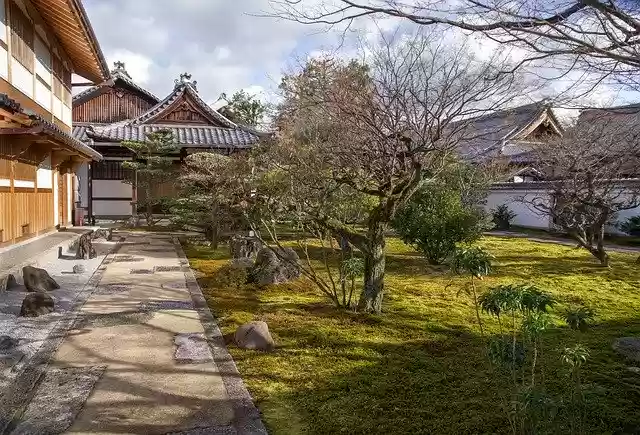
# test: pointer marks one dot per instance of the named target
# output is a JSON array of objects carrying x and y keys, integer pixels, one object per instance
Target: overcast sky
[
  {"x": 224, "y": 44},
  {"x": 220, "y": 42}
]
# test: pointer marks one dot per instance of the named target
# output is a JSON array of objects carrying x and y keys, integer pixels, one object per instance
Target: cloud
[
  {"x": 227, "y": 46},
  {"x": 223, "y": 44}
]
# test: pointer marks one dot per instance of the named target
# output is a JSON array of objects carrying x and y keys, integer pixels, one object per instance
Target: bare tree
[
  {"x": 369, "y": 132},
  {"x": 592, "y": 169},
  {"x": 599, "y": 36}
]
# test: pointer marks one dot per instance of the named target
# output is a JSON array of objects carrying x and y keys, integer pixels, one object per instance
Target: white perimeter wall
[
  {"x": 112, "y": 189},
  {"x": 111, "y": 208},
  {"x": 526, "y": 215}
]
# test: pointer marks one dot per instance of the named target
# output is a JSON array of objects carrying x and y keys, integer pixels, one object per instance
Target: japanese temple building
[
  {"x": 42, "y": 42},
  {"x": 120, "y": 110}
]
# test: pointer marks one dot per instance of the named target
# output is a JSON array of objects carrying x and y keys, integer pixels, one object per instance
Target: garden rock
[
  {"x": 254, "y": 336},
  {"x": 38, "y": 280},
  {"x": 7, "y": 343},
  {"x": 244, "y": 247},
  {"x": 85, "y": 249},
  {"x": 275, "y": 268},
  {"x": 79, "y": 269},
  {"x": 242, "y": 263},
  {"x": 7, "y": 282},
  {"x": 103, "y": 233},
  {"x": 36, "y": 304},
  {"x": 629, "y": 347}
]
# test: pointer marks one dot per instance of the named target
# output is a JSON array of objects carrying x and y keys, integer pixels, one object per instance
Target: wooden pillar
[
  {"x": 12, "y": 212},
  {"x": 90, "y": 194}
]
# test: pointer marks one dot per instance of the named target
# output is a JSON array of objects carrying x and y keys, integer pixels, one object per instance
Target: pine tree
[{"x": 151, "y": 166}]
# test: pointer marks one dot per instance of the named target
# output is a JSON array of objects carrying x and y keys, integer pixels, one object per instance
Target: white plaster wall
[
  {"x": 43, "y": 174},
  {"x": 111, "y": 208},
  {"x": 56, "y": 215},
  {"x": 43, "y": 61},
  {"x": 21, "y": 78},
  {"x": 43, "y": 96},
  {"x": 4, "y": 62},
  {"x": 5, "y": 182},
  {"x": 623, "y": 216},
  {"x": 66, "y": 115},
  {"x": 112, "y": 189},
  {"x": 3, "y": 22},
  {"x": 526, "y": 215},
  {"x": 24, "y": 183},
  {"x": 56, "y": 109}
]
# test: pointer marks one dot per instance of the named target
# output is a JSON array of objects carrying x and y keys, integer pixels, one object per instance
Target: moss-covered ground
[{"x": 421, "y": 366}]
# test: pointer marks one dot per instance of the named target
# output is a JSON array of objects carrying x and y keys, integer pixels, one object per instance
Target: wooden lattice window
[
  {"x": 24, "y": 171},
  {"x": 5, "y": 168},
  {"x": 61, "y": 81},
  {"x": 110, "y": 170},
  {"x": 22, "y": 35}
]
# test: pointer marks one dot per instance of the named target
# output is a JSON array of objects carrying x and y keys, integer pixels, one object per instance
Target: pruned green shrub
[
  {"x": 631, "y": 226},
  {"x": 436, "y": 219},
  {"x": 502, "y": 217}
]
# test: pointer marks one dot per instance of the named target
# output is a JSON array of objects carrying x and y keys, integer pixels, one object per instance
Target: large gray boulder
[
  {"x": 254, "y": 336},
  {"x": 244, "y": 247},
  {"x": 36, "y": 304},
  {"x": 275, "y": 266},
  {"x": 628, "y": 347},
  {"x": 7, "y": 282},
  {"x": 38, "y": 280}
]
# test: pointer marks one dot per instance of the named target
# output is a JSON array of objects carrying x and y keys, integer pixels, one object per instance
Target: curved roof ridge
[
  {"x": 115, "y": 75},
  {"x": 178, "y": 91}
]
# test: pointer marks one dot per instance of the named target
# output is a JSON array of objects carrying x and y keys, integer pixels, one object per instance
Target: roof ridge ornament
[
  {"x": 185, "y": 79},
  {"x": 119, "y": 68}
]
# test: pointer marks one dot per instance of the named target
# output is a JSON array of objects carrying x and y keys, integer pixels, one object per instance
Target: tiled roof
[
  {"x": 116, "y": 75},
  {"x": 180, "y": 90},
  {"x": 80, "y": 133},
  {"x": 193, "y": 136},
  {"x": 49, "y": 128},
  {"x": 499, "y": 133}
]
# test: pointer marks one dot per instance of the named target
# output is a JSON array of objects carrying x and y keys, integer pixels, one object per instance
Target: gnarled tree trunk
[{"x": 374, "y": 269}]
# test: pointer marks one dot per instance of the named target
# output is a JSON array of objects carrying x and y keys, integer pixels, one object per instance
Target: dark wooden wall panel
[{"x": 112, "y": 106}]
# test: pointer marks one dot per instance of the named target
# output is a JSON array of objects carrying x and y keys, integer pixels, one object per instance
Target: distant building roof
[
  {"x": 119, "y": 76},
  {"x": 503, "y": 132},
  {"x": 183, "y": 112},
  {"x": 192, "y": 136}
]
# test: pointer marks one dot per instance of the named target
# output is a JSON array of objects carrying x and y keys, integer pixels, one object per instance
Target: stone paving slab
[{"x": 164, "y": 372}]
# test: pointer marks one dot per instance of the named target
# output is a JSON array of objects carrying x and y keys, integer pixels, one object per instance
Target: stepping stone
[
  {"x": 629, "y": 347},
  {"x": 192, "y": 348}
]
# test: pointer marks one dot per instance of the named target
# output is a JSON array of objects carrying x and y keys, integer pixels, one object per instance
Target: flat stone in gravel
[
  {"x": 629, "y": 347},
  {"x": 192, "y": 348},
  {"x": 58, "y": 400}
]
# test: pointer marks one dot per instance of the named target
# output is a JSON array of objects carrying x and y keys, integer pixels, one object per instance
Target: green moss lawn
[{"x": 420, "y": 367}]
